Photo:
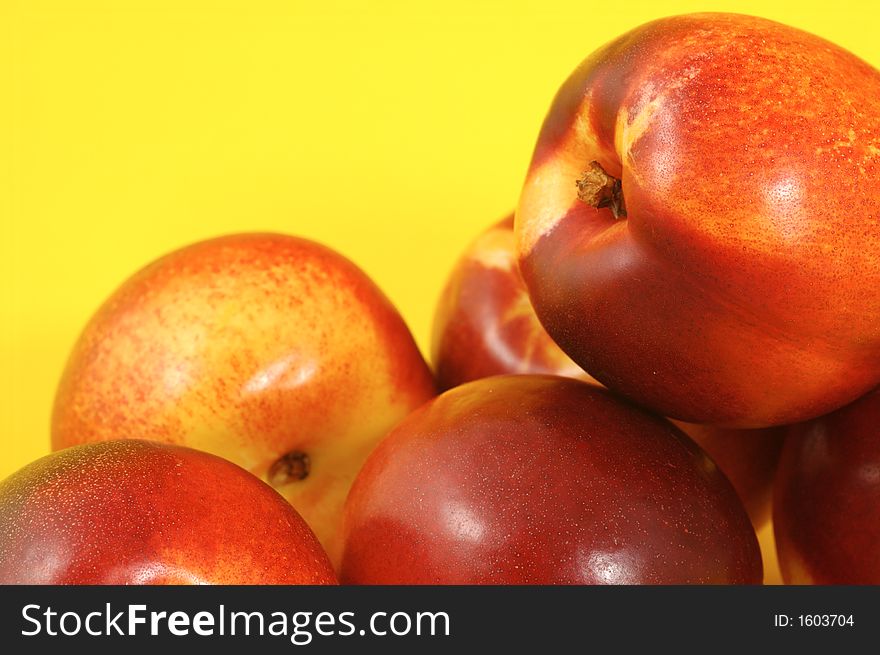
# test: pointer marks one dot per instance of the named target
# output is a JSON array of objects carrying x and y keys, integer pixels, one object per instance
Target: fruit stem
[
  {"x": 293, "y": 466},
  {"x": 599, "y": 189}
]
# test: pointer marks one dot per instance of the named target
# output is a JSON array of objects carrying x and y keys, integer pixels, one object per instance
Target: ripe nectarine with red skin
[
  {"x": 542, "y": 480},
  {"x": 485, "y": 325},
  {"x": 826, "y": 512},
  {"x": 138, "y": 512},
  {"x": 698, "y": 225}
]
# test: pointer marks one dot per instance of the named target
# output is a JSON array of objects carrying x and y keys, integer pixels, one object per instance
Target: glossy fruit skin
[
  {"x": 740, "y": 287},
  {"x": 138, "y": 512},
  {"x": 542, "y": 480},
  {"x": 272, "y": 351},
  {"x": 748, "y": 458},
  {"x": 826, "y": 510},
  {"x": 485, "y": 325}
]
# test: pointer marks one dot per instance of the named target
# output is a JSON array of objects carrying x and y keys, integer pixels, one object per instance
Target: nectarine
[
  {"x": 272, "y": 351},
  {"x": 137, "y": 512},
  {"x": 528, "y": 479},
  {"x": 698, "y": 227},
  {"x": 826, "y": 511},
  {"x": 485, "y": 325}
]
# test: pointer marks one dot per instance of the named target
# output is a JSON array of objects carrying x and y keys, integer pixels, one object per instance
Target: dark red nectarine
[
  {"x": 542, "y": 480},
  {"x": 826, "y": 511}
]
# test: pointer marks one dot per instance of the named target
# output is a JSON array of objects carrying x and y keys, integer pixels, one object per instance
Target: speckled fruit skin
[
  {"x": 748, "y": 458},
  {"x": 542, "y": 480},
  {"x": 485, "y": 325},
  {"x": 138, "y": 512},
  {"x": 826, "y": 509},
  {"x": 740, "y": 289},
  {"x": 251, "y": 347}
]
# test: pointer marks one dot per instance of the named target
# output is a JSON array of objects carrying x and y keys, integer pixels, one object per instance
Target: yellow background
[{"x": 392, "y": 131}]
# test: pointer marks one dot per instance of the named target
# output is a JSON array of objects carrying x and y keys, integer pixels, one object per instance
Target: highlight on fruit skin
[
  {"x": 738, "y": 286},
  {"x": 528, "y": 479},
  {"x": 826, "y": 511},
  {"x": 484, "y": 325},
  {"x": 272, "y": 351},
  {"x": 138, "y": 512}
]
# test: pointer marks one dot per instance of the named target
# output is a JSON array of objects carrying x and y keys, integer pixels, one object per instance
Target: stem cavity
[{"x": 291, "y": 467}]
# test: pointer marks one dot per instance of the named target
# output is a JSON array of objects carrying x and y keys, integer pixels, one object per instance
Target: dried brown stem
[{"x": 599, "y": 189}]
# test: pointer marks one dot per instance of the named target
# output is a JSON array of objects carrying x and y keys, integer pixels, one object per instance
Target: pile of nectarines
[{"x": 677, "y": 332}]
